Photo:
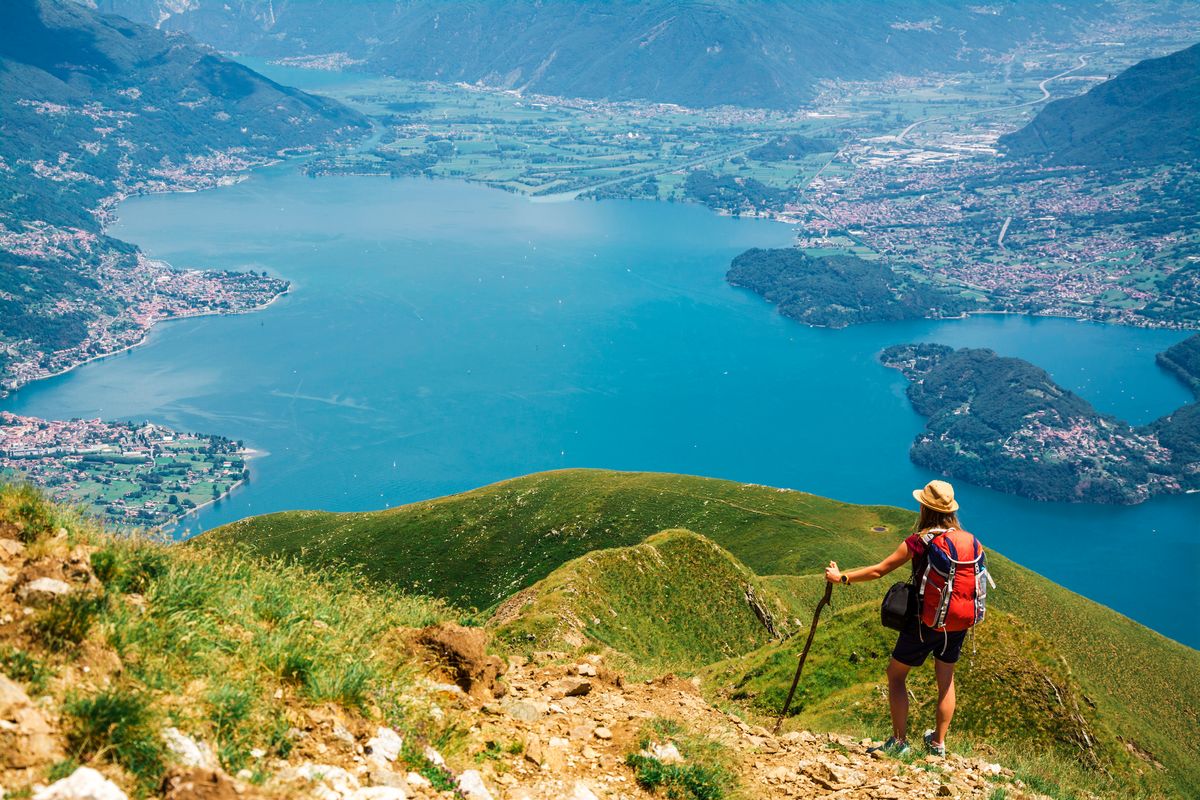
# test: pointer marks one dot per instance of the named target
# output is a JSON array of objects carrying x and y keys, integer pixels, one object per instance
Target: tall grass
[{"x": 224, "y": 646}]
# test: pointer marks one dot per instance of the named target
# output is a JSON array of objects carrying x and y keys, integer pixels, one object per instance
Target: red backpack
[{"x": 952, "y": 585}]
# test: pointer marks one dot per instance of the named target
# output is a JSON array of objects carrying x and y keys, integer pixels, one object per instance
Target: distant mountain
[
  {"x": 693, "y": 52},
  {"x": 1149, "y": 114},
  {"x": 94, "y": 108}
]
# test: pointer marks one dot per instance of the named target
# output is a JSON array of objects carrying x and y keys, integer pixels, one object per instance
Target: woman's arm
[{"x": 902, "y": 554}]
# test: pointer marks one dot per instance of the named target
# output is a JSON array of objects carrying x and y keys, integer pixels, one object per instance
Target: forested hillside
[
  {"x": 95, "y": 108},
  {"x": 703, "y": 53},
  {"x": 1149, "y": 114},
  {"x": 840, "y": 290}
]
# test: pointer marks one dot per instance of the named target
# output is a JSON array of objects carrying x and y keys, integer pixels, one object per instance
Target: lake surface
[{"x": 441, "y": 336}]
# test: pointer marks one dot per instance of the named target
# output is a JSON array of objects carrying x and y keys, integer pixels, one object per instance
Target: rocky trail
[{"x": 553, "y": 727}]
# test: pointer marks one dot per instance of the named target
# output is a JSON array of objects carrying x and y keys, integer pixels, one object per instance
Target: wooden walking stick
[{"x": 826, "y": 600}]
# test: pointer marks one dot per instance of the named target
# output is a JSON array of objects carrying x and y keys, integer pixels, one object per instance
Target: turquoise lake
[{"x": 440, "y": 336}]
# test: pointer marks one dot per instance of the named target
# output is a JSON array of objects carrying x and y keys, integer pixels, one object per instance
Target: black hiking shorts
[{"x": 917, "y": 641}]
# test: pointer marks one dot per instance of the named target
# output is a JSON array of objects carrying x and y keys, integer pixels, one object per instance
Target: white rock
[
  {"x": 386, "y": 743},
  {"x": 418, "y": 780},
  {"x": 328, "y": 782},
  {"x": 990, "y": 769},
  {"x": 42, "y": 591},
  {"x": 187, "y": 751},
  {"x": 84, "y": 783},
  {"x": 667, "y": 753},
  {"x": 470, "y": 783},
  {"x": 434, "y": 756},
  {"x": 379, "y": 793},
  {"x": 582, "y": 792}
]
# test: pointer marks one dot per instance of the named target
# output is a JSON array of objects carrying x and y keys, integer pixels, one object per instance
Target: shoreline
[{"x": 143, "y": 339}]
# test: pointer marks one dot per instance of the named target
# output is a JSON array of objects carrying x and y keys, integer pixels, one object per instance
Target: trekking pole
[{"x": 826, "y": 600}]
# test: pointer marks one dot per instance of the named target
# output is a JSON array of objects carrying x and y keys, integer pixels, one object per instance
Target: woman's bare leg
[
  {"x": 897, "y": 675},
  {"x": 945, "y": 707}
]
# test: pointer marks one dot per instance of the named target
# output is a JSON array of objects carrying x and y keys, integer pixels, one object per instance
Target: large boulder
[
  {"x": 41, "y": 592},
  {"x": 84, "y": 783},
  {"x": 462, "y": 652},
  {"x": 26, "y": 738}
]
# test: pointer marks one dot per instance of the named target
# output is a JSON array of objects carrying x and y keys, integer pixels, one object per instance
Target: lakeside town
[
  {"x": 133, "y": 475},
  {"x": 142, "y": 293}
]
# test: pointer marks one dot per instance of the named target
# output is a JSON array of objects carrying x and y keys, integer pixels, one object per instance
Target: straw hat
[{"x": 937, "y": 495}]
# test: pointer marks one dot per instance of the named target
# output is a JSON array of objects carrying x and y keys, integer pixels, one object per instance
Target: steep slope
[
  {"x": 95, "y": 108},
  {"x": 1017, "y": 693},
  {"x": 483, "y": 545},
  {"x": 1149, "y": 114},
  {"x": 677, "y": 602},
  {"x": 694, "y": 52},
  {"x": 673, "y": 602},
  {"x": 131, "y": 668}
]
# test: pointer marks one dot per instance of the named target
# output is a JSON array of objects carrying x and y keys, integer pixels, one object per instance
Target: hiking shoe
[
  {"x": 892, "y": 747},
  {"x": 934, "y": 749}
]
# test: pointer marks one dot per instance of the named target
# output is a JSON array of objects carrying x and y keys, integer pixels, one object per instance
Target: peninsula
[
  {"x": 129, "y": 474},
  {"x": 1005, "y": 424},
  {"x": 840, "y": 290}
]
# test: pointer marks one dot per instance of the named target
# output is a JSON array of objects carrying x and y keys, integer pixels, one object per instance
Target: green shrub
[
  {"x": 231, "y": 708},
  {"x": 677, "y": 781},
  {"x": 62, "y": 769},
  {"x": 21, "y": 666},
  {"x": 441, "y": 778},
  {"x": 129, "y": 567},
  {"x": 67, "y": 621},
  {"x": 24, "y": 507},
  {"x": 704, "y": 775},
  {"x": 347, "y": 682},
  {"x": 118, "y": 724}
]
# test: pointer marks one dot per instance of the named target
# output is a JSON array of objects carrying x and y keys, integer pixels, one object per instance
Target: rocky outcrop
[
  {"x": 26, "y": 737},
  {"x": 462, "y": 652}
]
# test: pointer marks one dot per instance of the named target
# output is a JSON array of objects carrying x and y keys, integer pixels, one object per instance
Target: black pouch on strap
[{"x": 899, "y": 606}]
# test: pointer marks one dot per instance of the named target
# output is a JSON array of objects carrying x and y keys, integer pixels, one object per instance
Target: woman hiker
[{"x": 937, "y": 523}]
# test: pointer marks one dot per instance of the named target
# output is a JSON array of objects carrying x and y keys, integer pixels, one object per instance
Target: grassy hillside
[
  {"x": 228, "y": 650},
  {"x": 670, "y": 603},
  {"x": 477, "y": 548},
  {"x": 482, "y": 546}
]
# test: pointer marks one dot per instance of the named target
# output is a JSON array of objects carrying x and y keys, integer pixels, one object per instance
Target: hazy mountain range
[{"x": 693, "y": 52}]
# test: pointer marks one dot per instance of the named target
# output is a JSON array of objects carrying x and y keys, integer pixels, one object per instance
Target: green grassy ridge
[
  {"x": 667, "y": 604},
  {"x": 497, "y": 540},
  {"x": 481, "y": 546}
]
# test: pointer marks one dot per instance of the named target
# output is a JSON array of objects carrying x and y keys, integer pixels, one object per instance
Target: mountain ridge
[
  {"x": 1148, "y": 114},
  {"x": 550, "y": 518},
  {"x": 691, "y": 52}
]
